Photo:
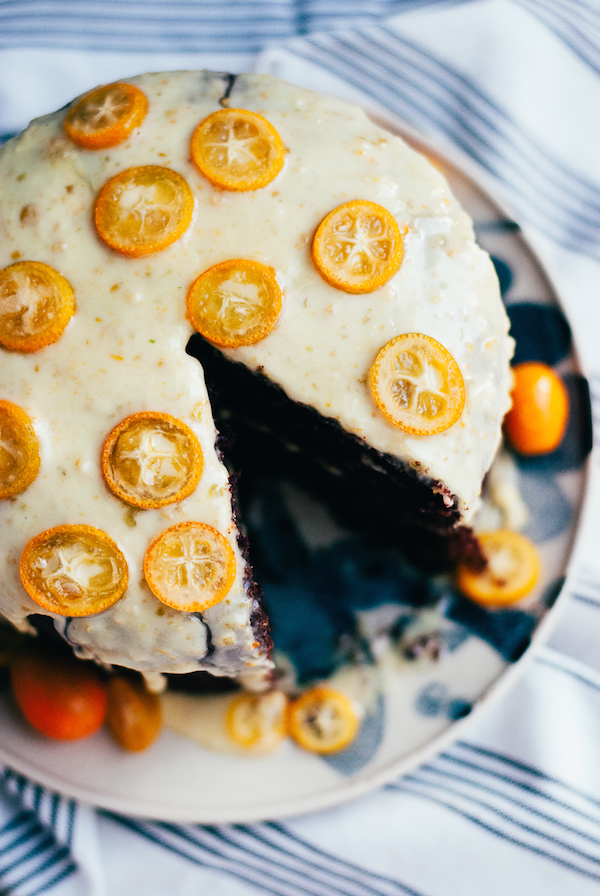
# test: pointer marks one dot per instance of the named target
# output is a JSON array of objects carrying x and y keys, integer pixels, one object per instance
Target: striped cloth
[{"x": 515, "y": 807}]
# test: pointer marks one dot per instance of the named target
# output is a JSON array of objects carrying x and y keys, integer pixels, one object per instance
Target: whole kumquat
[
  {"x": 59, "y": 695},
  {"x": 134, "y": 716},
  {"x": 537, "y": 421}
]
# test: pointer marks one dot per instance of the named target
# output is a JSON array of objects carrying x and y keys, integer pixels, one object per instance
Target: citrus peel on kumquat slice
[
  {"x": 190, "y": 567},
  {"x": 257, "y": 721},
  {"x": 19, "y": 450},
  {"x": 234, "y": 303},
  {"x": 537, "y": 421},
  {"x": 36, "y": 304},
  {"x": 74, "y": 570},
  {"x": 357, "y": 247},
  {"x": 152, "y": 459},
  {"x": 511, "y": 570},
  {"x": 143, "y": 210},
  {"x": 417, "y": 384},
  {"x": 237, "y": 150},
  {"x": 106, "y": 116},
  {"x": 323, "y": 720}
]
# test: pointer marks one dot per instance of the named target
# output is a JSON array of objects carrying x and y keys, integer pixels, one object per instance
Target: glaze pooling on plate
[{"x": 123, "y": 351}]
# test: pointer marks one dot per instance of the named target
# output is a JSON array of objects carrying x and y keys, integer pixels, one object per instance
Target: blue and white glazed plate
[{"x": 421, "y": 658}]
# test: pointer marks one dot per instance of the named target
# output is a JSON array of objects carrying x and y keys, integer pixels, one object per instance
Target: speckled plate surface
[{"x": 418, "y": 704}]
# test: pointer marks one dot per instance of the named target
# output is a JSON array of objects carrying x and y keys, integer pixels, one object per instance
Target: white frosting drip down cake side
[{"x": 123, "y": 350}]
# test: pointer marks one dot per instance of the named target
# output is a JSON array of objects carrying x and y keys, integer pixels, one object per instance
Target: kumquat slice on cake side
[
  {"x": 19, "y": 450},
  {"x": 152, "y": 459},
  {"x": 357, "y": 247},
  {"x": 234, "y": 303},
  {"x": 36, "y": 304},
  {"x": 143, "y": 210},
  {"x": 510, "y": 573},
  {"x": 74, "y": 570},
  {"x": 190, "y": 567},
  {"x": 237, "y": 150},
  {"x": 323, "y": 720},
  {"x": 106, "y": 116},
  {"x": 417, "y": 384}
]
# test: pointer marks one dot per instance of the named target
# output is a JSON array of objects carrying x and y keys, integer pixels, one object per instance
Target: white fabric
[{"x": 515, "y": 807}]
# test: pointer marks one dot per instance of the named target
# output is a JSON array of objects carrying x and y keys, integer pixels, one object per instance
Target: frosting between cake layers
[{"x": 124, "y": 349}]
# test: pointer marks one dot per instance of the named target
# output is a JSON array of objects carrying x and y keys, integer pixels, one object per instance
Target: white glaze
[{"x": 123, "y": 350}]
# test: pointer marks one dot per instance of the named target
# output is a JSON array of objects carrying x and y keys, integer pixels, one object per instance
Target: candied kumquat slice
[
  {"x": 152, "y": 459},
  {"x": 357, "y": 247},
  {"x": 190, "y": 567},
  {"x": 19, "y": 450},
  {"x": 537, "y": 421},
  {"x": 257, "y": 721},
  {"x": 417, "y": 384},
  {"x": 143, "y": 210},
  {"x": 237, "y": 150},
  {"x": 36, "y": 304},
  {"x": 234, "y": 303},
  {"x": 511, "y": 571},
  {"x": 106, "y": 116},
  {"x": 323, "y": 720},
  {"x": 74, "y": 570}
]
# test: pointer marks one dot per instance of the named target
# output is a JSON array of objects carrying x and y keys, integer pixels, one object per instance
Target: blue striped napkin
[{"x": 514, "y": 808}]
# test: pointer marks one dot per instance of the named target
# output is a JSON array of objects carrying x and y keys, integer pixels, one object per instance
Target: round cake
[{"x": 342, "y": 306}]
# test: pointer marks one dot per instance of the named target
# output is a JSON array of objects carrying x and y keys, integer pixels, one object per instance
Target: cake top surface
[{"x": 122, "y": 350}]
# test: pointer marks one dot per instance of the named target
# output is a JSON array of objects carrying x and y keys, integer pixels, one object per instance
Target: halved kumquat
[
  {"x": 74, "y": 570},
  {"x": 36, "y": 304},
  {"x": 190, "y": 567},
  {"x": 19, "y": 450},
  {"x": 152, "y": 459},
  {"x": 323, "y": 720},
  {"x": 537, "y": 421},
  {"x": 237, "y": 150},
  {"x": 257, "y": 721},
  {"x": 511, "y": 570},
  {"x": 234, "y": 303},
  {"x": 106, "y": 116},
  {"x": 417, "y": 384},
  {"x": 357, "y": 247},
  {"x": 143, "y": 210}
]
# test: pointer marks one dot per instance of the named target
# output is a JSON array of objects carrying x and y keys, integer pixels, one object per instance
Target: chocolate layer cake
[{"x": 297, "y": 394}]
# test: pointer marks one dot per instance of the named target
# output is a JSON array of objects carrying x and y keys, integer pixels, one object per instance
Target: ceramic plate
[{"x": 442, "y": 659}]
